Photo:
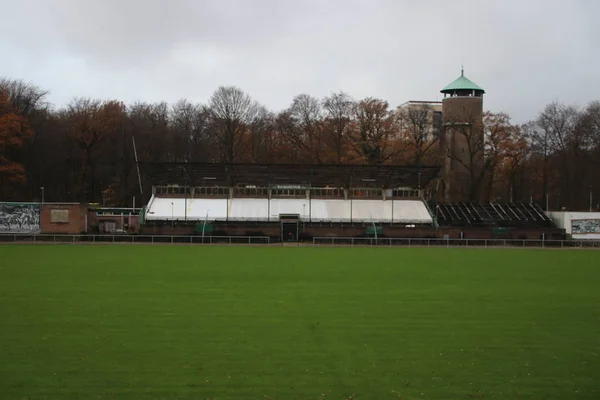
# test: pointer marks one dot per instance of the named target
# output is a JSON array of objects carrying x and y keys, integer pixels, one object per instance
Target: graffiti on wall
[
  {"x": 579, "y": 226},
  {"x": 19, "y": 218}
]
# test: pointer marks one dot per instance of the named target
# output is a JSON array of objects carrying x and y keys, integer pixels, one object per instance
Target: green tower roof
[{"x": 462, "y": 83}]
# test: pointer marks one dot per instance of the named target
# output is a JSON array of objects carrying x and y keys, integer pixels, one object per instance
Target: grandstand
[
  {"x": 511, "y": 215},
  {"x": 267, "y": 210},
  {"x": 300, "y": 201},
  {"x": 229, "y": 195}
]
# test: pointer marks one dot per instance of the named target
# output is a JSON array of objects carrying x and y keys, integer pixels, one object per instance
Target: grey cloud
[{"x": 524, "y": 53}]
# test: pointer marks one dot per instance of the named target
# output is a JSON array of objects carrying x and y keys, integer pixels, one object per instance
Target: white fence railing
[
  {"x": 317, "y": 241},
  {"x": 142, "y": 239},
  {"x": 440, "y": 242}
]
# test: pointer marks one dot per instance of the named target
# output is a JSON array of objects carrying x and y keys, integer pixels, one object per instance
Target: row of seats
[
  {"x": 492, "y": 214},
  {"x": 238, "y": 209}
]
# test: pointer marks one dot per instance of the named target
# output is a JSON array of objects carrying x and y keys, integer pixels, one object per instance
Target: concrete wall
[{"x": 580, "y": 225}]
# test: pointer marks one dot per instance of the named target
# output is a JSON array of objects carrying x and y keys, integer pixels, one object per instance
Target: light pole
[
  {"x": 172, "y": 217},
  {"x": 42, "y": 188}
]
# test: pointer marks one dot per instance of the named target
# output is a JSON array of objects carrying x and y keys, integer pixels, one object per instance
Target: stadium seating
[
  {"x": 492, "y": 214},
  {"x": 245, "y": 209}
]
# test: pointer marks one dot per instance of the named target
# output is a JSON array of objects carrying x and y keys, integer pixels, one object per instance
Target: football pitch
[{"x": 190, "y": 322}]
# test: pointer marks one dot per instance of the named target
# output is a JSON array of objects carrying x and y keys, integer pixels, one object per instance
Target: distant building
[{"x": 433, "y": 109}]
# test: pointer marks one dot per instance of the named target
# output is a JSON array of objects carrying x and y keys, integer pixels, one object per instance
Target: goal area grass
[{"x": 193, "y": 322}]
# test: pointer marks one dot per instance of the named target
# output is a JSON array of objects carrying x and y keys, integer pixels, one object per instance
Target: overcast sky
[{"x": 524, "y": 53}]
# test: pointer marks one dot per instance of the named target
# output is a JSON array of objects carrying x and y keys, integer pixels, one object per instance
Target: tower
[{"x": 461, "y": 141}]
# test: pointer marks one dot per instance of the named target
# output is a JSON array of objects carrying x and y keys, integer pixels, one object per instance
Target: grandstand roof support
[{"x": 342, "y": 175}]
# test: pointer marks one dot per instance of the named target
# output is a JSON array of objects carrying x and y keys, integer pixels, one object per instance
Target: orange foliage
[{"x": 14, "y": 132}]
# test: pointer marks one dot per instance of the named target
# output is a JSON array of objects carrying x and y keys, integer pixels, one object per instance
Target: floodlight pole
[{"x": 204, "y": 225}]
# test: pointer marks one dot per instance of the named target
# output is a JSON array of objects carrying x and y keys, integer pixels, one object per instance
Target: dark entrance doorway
[{"x": 289, "y": 228}]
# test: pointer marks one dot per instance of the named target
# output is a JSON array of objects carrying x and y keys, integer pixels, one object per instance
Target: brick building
[{"x": 461, "y": 141}]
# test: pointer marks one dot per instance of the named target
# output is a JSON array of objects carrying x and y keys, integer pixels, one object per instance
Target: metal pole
[
  {"x": 590, "y": 198},
  {"x": 172, "y": 217},
  {"x": 42, "y": 195},
  {"x": 204, "y": 225},
  {"x": 547, "y": 196},
  {"x": 137, "y": 165}
]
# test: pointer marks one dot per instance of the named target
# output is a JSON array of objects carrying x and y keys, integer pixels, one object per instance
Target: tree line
[{"x": 83, "y": 151}]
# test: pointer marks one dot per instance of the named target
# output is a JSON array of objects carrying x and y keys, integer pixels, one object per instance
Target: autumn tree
[
  {"x": 375, "y": 137},
  {"x": 498, "y": 134},
  {"x": 516, "y": 152},
  {"x": 29, "y": 101},
  {"x": 88, "y": 123},
  {"x": 505, "y": 150},
  {"x": 14, "y": 132}
]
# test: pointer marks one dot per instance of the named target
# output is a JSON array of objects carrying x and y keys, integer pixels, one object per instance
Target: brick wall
[{"x": 65, "y": 218}]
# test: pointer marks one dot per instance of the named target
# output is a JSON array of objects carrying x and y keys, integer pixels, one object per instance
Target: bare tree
[
  {"x": 307, "y": 115},
  {"x": 417, "y": 127},
  {"x": 24, "y": 97},
  {"x": 232, "y": 111},
  {"x": 191, "y": 131},
  {"x": 337, "y": 125},
  {"x": 516, "y": 153},
  {"x": 261, "y": 132},
  {"x": 565, "y": 139},
  {"x": 285, "y": 140},
  {"x": 149, "y": 124}
]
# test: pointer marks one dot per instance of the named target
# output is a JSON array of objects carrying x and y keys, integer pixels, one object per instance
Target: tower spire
[{"x": 462, "y": 68}]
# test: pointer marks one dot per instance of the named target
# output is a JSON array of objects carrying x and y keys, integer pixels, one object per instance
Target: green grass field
[{"x": 179, "y": 322}]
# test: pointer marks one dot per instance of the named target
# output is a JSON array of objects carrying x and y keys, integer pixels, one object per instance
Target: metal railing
[
  {"x": 316, "y": 241},
  {"x": 142, "y": 239},
  {"x": 441, "y": 242}
]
